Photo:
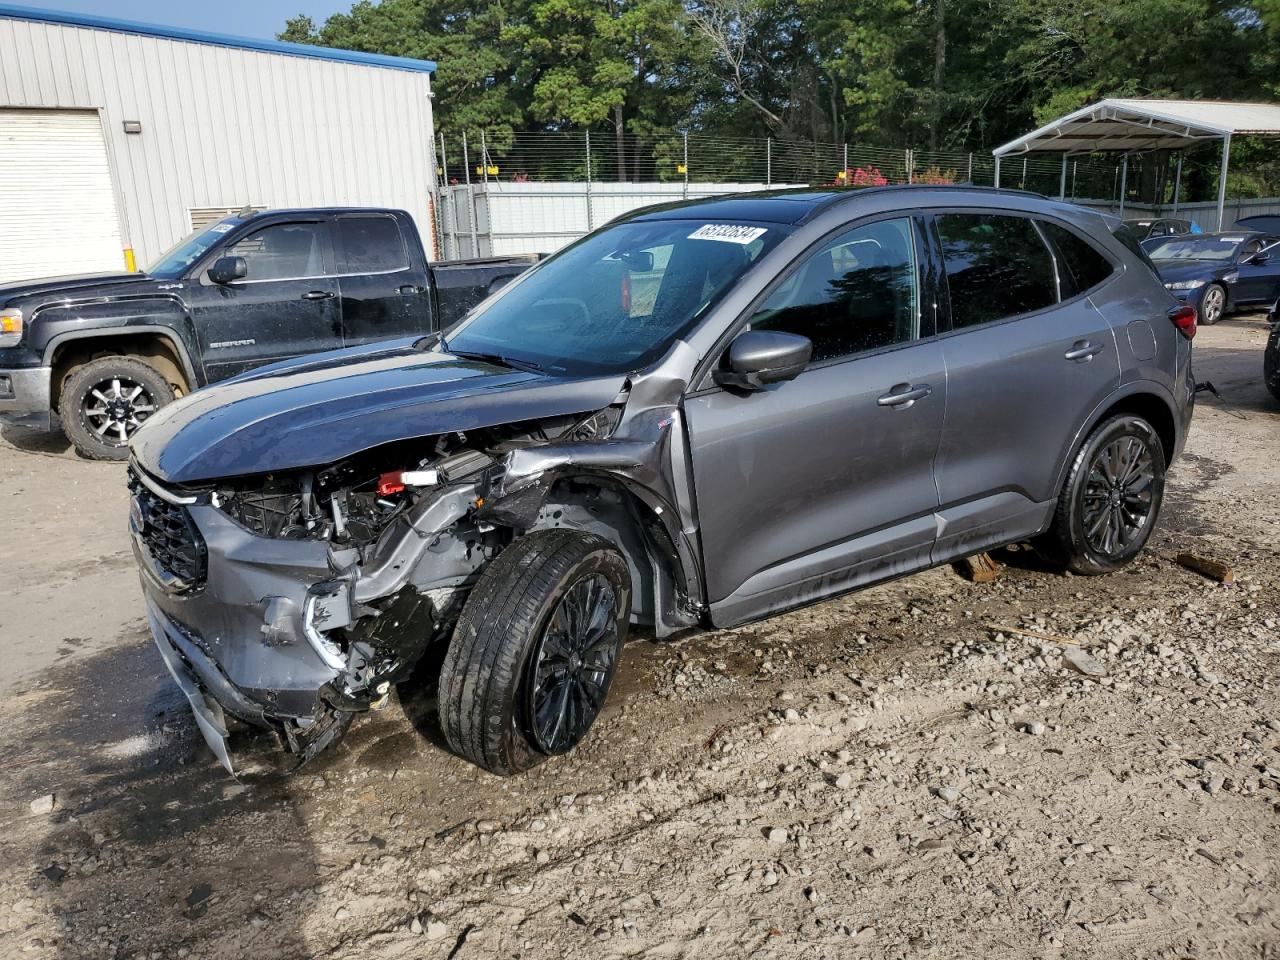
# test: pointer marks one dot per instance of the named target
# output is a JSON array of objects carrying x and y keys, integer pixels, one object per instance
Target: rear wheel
[
  {"x": 104, "y": 402},
  {"x": 535, "y": 650},
  {"x": 1111, "y": 499},
  {"x": 1213, "y": 304}
]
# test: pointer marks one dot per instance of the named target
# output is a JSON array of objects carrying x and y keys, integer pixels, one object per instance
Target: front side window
[
  {"x": 857, "y": 293},
  {"x": 616, "y": 300},
  {"x": 997, "y": 267},
  {"x": 1087, "y": 266},
  {"x": 370, "y": 245},
  {"x": 284, "y": 251}
]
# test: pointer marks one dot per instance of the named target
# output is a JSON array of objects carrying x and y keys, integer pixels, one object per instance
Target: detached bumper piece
[{"x": 25, "y": 397}]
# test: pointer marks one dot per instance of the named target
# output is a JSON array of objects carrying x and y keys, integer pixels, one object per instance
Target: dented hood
[{"x": 329, "y": 406}]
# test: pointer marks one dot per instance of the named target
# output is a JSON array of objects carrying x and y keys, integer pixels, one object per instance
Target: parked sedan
[
  {"x": 1151, "y": 230},
  {"x": 1220, "y": 272},
  {"x": 701, "y": 414}
]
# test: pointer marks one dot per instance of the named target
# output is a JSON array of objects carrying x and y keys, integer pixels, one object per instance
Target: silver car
[{"x": 697, "y": 416}]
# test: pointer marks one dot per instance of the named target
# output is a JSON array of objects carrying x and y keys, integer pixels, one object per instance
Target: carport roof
[{"x": 1125, "y": 126}]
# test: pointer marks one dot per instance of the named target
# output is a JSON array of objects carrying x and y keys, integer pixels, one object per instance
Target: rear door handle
[
  {"x": 409, "y": 290},
  {"x": 904, "y": 395},
  {"x": 1083, "y": 350},
  {"x": 317, "y": 295}
]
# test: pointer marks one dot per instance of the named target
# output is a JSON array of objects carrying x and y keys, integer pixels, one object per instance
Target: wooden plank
[
  {"x": 1207, "y": 567},
  {"x": 979, "y": 568}
]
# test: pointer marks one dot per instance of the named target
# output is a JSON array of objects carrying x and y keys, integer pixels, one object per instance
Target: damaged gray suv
[{"x": 699, "y": 415}]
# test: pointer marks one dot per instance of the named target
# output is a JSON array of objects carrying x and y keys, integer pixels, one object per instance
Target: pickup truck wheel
[
  {"x": 535, "y": 650},
  {"x": 1111, "y": 498},
  {"x": 104, "y": 402}
]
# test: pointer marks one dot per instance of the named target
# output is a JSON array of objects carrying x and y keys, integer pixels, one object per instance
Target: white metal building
[{"x": 117, "y": 138}]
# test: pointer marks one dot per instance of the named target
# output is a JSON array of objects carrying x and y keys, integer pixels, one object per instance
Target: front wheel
[
  {"x": 1111, "y": 498},
  {"x": 535, "y": 649},
  {"x": 1213, "y": 304},
  {"x": 104, "y": 402}
]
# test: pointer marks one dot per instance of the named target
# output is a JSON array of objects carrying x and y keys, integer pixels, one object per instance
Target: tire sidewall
[
  {"x": 1085, "y": 558},
  {"x": 1271, "y": 356},
  {"x": 76, "y": 388}
]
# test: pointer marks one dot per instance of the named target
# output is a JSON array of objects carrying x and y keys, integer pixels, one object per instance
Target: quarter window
[
  {"x": 370, "y": 245},
  {"x": 997, "y": 267},
  {"x": 285, "y": 251},
  {"x": 857, "y": 293},
  {"x": 1087, "y": 266}
]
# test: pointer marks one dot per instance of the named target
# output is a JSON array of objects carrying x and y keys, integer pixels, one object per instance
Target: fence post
[
  {"x": 685, "y": 139},
  {"x": 970, "y": 180},
  {"x": 590, "y": 220},
  {"x": 845, "y": 163},
  {"x": 443, "y": 192},
  {"x": 768, "y": 161},
  {"x": 471, "y": 196},
  {"x": 910, "y": 172}
]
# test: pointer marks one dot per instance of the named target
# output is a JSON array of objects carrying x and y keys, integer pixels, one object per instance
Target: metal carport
[{"x": 1136, "y": 126}]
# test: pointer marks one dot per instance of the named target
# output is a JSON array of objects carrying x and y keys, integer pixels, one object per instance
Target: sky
[{"x": 260, "y": 19}]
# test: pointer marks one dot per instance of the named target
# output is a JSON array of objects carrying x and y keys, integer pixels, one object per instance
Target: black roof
[{"x": 797, "y": 205}]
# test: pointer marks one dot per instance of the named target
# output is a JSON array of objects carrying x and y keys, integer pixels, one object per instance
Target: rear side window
[
  {"x": 1087, "y": 266},
  {"x": 370, "y": 245},
  {"x": 997, "y": 267}
]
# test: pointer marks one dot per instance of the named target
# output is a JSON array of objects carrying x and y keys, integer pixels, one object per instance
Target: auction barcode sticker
[{"x": 728, "y": 233}]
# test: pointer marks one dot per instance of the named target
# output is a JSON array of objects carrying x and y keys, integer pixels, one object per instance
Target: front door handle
[
  {"x": 317, "y": 295},
  {"x": 408, "y": 290},
  {"x": 904, "y": 395},
  {"x": 1083, "y": 350}
]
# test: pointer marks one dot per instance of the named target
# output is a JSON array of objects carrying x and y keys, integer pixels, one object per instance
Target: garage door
[{"x": 57, "y": 208}]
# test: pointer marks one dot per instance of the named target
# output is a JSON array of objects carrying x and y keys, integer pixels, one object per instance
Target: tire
[
  {"x": 1089, "y": 497},
  {"x": 515, "y": 626},
  {"x": 104, "y": 402},
  {"x": 1213, "y": 305},
  {"x": 1271, "y": 357}
]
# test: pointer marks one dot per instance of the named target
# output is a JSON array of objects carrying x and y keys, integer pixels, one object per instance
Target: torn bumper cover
[{"x": 258, "y": 654}]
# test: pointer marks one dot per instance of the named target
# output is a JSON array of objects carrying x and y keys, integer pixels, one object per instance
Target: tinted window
[
  {"x": 997, "y": 267},
  {"x": 282, "y": 252},
  {"x": 370, "y": 245},
  {"x": 857, "y": 293},
  {"x": 1086, "y": 265}
]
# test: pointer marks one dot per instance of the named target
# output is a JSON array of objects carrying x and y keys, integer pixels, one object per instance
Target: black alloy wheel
[
  {"x": 572, "y": 665},
  {"x": 1118, "y": 495}
]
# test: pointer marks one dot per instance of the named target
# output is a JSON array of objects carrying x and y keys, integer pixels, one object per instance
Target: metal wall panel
[{"x": 222, "y": 127}]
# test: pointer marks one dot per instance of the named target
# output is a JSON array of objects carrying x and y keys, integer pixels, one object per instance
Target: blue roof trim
[{"x": 216, "y": 39}]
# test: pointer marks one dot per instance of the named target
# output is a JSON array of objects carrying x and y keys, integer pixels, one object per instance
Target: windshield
[
  {"x": 177, "y": 259},
  {"x": 1197, "y": 248},
  {"x": 616, "y": 300}
]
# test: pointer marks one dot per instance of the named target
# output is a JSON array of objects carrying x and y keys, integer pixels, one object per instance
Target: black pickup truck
[{"x": 101, "y": 353}]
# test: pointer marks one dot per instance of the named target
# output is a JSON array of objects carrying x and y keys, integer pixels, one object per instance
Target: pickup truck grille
[{"x": 170, "y": 538}]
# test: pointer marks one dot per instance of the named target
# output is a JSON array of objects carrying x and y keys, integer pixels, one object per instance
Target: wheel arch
[
  {"x": 633, "y": 518},
  {"x": 155, "y": 345},
  {"x": 1145, "y": 399}
]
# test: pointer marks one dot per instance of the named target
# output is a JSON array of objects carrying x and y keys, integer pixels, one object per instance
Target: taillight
[{"x": 1184, "y": 318}]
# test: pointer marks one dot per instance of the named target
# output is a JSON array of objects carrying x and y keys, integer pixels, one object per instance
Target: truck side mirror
[
  {"x": 757, "y": 358},
  {"x": 227, "y": 269}
]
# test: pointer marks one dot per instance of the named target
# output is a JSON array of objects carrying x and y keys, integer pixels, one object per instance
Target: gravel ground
[{"x": 908, "y": 771}]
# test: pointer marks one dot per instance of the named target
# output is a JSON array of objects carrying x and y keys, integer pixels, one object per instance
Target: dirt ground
[{"x": 899, "y": 773}]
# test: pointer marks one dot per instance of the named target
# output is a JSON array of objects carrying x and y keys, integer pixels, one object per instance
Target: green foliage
[{"x": 946, "y": 74}]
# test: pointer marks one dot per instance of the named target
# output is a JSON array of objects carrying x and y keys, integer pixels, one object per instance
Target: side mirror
[
  {"x": 1258, "y": 259},
  {"x": 227, "y": 269},
  {"x": 757, "y": 358}
]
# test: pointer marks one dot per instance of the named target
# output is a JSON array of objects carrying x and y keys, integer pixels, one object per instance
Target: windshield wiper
[{"x": 495, "y": 358}]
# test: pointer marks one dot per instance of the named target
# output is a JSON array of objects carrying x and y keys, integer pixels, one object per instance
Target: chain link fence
[{"x": 533, "y": 192}]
